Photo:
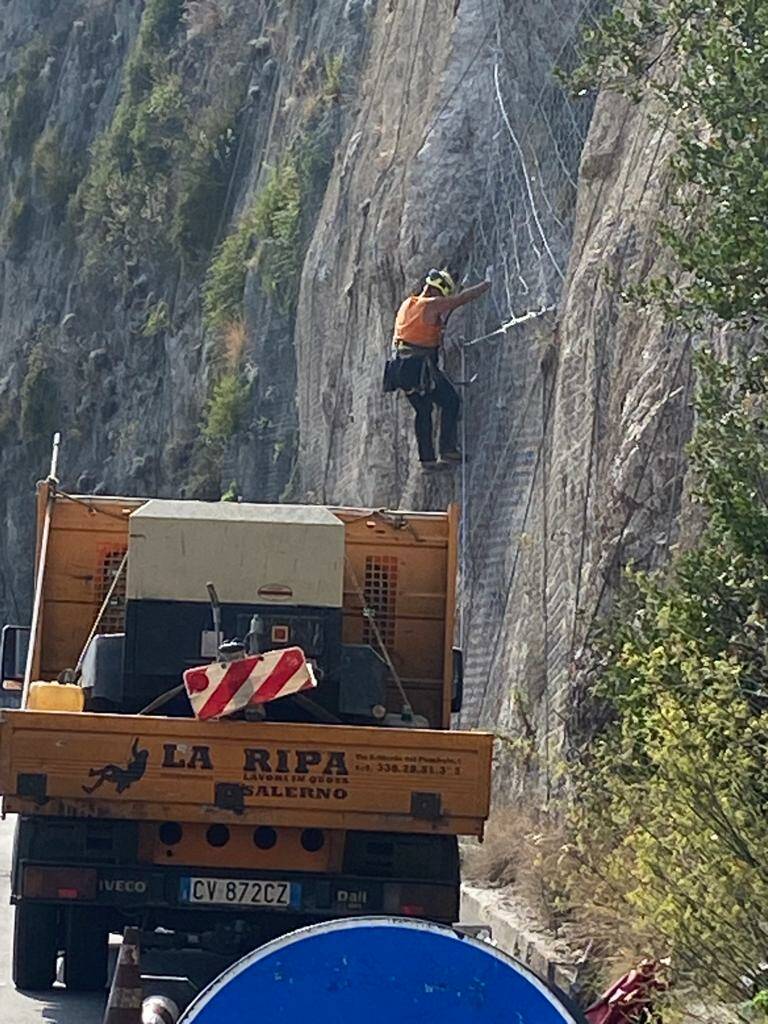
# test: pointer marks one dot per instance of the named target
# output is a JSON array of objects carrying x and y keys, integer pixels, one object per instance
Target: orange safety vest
[{"x": 411, "y": 325}]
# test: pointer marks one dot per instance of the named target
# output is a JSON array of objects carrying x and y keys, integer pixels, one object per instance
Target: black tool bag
[
  {"x": 391, "y": 381},
  {"x": 409, "y": 373}
]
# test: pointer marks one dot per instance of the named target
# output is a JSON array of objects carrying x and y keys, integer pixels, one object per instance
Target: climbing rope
[{"x": 509, "y": 324}]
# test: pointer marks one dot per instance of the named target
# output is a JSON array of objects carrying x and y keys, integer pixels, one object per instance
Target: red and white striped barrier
[{"x": 218, "y": 690}]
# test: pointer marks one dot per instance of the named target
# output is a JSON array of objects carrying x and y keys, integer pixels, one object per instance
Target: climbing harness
[{"x": 410, "y": 370}]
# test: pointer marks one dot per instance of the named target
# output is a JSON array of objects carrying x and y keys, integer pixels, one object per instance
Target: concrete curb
[{"x": 483, "y": 906}]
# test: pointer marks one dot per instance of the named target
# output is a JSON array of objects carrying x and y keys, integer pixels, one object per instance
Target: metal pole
[
  {"x": 52, "y": 483},
  {"x": 100, "y": 616},
  {"x": 463, "y": 526}
]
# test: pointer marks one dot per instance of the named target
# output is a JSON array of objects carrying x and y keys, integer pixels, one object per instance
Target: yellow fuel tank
[{"x": 55, "y": 697}]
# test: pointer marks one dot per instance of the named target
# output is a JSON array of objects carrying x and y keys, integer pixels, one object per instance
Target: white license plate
[{"x": 245, "y": 892}]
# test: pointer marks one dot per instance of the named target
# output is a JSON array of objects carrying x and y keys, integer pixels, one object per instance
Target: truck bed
[{"x": 325, "y": 776}]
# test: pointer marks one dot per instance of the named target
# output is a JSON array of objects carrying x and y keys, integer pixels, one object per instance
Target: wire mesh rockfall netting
[{"x": 524, "y": 231}]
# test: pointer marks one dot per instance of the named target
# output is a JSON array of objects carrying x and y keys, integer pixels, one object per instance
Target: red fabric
[{"x": 625, "y": 1000}]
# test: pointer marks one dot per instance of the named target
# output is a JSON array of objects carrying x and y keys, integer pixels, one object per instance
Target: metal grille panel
[
  {"x": 380, "y": 591},
  {"x": 113, "y": 619}
]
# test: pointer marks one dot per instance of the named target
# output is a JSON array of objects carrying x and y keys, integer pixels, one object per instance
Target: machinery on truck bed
[{"x": 343, "y": 801}]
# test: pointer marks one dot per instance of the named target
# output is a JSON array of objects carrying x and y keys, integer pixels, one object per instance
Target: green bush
[
  {"x": 126, "y": 190},
  {"x": 25, "y": 101},
  {"x": 225, "y": 409},
  {"x": 269, "y": 235},
  {"x": 702, "y": 67},
  {"x": 225, "y": 280},
  {"x": 276, "y": 222},
  {"x": 160, "y": 22},
  {"x": 669, "y": 820},
  {"x": 333, "y": 68},
  {"x": 39, "y": 397},
  {"x": 669, "y": 824},
  {"x": 158, "y": 123},
  {"x": 58, "y": 173},
  {"x": 18, "y": 223},
  {"x": 203, "y": 184},
  {"x": 157, "y": 320}
]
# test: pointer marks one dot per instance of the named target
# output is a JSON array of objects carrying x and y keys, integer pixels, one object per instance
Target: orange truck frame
[{"x": 224, "y": 834}]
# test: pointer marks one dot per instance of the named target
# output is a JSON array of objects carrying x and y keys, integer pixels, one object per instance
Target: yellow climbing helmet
[{"x": 441, "y": 280}]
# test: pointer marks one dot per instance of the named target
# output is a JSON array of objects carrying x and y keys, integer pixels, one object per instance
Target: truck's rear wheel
[
  {"x": 86, "y": 949},
  {"x": 34, "y": 946}
]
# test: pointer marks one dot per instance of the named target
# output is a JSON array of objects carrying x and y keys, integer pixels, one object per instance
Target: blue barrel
[{"x": 377, "y": 971}]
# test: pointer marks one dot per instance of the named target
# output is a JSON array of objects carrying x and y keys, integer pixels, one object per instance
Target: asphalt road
[
  {"x": 21, "y": 1008},
  {"x": 60, "y": 1007}
]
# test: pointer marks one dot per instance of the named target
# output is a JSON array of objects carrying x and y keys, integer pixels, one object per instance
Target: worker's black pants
[{"x": 444, "y": 396}]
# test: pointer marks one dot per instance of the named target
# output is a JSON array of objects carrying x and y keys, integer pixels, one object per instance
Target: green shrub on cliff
[
  {"x": 125, "y": 197},
  {"x": 267, "y": 238},
  {"x": 161, "y": 19},
  {"x": 669, "y": 823},
  {"x": 57, "y": 171},
  {"x": 703, "y": 66},
  {"x": 271, "y": 235},
  {"x": 39, "y": 397},
  {"x": 670, "y": 818},
  {"x": 24, "y": 101},
  {"x": 225, "y": 280},
  {"x": 226, "y": 408},
  {"x": 204, "y": 178},
  {"x": 158, "y": 124},
  {"x": 276, "y": 223}
]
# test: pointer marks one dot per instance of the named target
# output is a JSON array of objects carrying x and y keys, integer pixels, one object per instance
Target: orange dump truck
[{"x": 345, "y": 799}]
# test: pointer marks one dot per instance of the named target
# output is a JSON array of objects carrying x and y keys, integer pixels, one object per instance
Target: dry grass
[
  {"x": 523, "y": 852},
  {"x": 203, "y": 18},
  {"x": 528, "y": 855},
  {"x": 233, "y": 338}
]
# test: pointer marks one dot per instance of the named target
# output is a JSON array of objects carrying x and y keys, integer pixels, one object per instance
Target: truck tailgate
[{"x": 158, "y": 769}]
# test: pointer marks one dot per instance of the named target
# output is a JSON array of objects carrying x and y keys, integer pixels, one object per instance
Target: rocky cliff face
[{"x": 338, "y": 149}]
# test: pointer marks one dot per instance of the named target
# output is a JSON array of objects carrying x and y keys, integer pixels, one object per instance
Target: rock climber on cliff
[{"x": 418, "y": 334}]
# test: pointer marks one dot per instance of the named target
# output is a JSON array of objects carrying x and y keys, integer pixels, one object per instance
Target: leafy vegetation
[
  {"x": 24, "y": 101},
  {"x": 163, "y": 161},
  {"x": 203, "y": 185},
  {"x": 276, "y": 223},
  {"x": 704, "y": 67},
  {"x": 126, "y": 194},
  {"x": 333, "y": 68},
  {"x": 671, "y": 812},
  {"x": 39, "y": 397},
  {"x": 225, "y": 280},
  {"x": 158, "y": 123},
  {"x": 269, "y": 236},
  {"x": 226, "y": 408},
  {"x": 158, "y": 319},
  {"x": 669, "y": 824},
  {"x": 57, "y": 172}
]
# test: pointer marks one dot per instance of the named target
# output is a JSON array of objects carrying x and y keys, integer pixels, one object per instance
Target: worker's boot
[{"x": 451, "y": 458}]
